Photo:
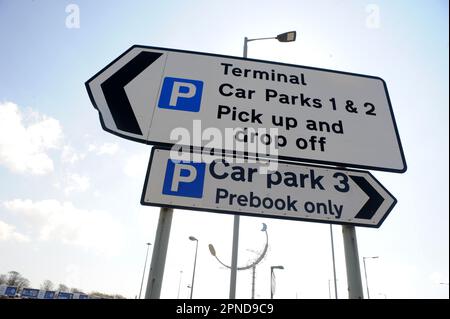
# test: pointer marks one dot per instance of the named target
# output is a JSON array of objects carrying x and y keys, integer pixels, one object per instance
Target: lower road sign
[{"x": 264, "y": 188}]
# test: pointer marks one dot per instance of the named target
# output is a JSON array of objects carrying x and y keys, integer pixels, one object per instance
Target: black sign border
[{"x": 296, "y": 159}]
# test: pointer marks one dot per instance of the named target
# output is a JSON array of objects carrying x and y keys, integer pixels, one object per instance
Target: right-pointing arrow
[
  {"x": 373, "y": 203},
  {"x": 116, "y": 97}
]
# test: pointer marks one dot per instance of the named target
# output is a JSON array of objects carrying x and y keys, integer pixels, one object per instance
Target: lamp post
[
  {"x": 272, "y": 279},
  {"x": 179, "y": 285},
  {"x": 251, "y": 265},
  {"x": 143, "y": 273},
  {"x": 195, "y": 262},
  {"x": 365, "y": 273},
  {"x": 283, "y": 37}
]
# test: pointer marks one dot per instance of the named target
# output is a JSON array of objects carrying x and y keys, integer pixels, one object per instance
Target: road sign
[
  {"x": 46, "y": 294},
  {"x": 291, "y": 191},
  {"x": 64, "y": 295},
  {"x": 9, "y": 291},
  {"x": 29, "y": 293},
  {"x": 165, "y": 97}
]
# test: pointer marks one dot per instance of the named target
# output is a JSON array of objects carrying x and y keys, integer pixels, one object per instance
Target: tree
[
  {"x": 14, "y": 278},
  {"x": 75, "y": 290},
  {"x": 100, "y": 295},
  {"x": 62, "y": 287},
  {"x": 2, "y": 279},
  {"x": 47, "y": 285}
]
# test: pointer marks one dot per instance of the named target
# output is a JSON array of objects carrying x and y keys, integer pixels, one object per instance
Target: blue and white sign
[
  {"x": 266, "y": 189},
  {"x": 165, "y": 97},
  {"x": 29, "y": 293},
  {"x": 64, "y": 295},
  {"x": 181, "y": 94},
  {"x": 46, "y": 294},
  {"x": 184, "y": 179},
  {"x": 9, "y": 291}
]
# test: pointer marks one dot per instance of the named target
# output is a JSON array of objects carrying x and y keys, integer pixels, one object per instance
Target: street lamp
[
  {"x": 251, "y": 265},
  {"x": 195, "y": 262},
  {"x": 365, "y": 273},
  {"x": 145, "y": 264},
  {"x": 272, "y": 288},
  {"x": 282, "y": 37}
]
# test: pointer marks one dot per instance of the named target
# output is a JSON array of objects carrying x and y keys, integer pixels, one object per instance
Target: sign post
[
  {"x": 248, "y": 107},
  {"x": 156, "y": 272}
]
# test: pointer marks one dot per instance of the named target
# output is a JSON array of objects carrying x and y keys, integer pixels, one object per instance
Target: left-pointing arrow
[
  {"x": 116, "y": 97},
  {"x": 373, "y": 203}
]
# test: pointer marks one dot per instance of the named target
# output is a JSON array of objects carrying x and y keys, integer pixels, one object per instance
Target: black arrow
[
  {"x": 116, "y": 97},
  {"x": 373, "y": 203}
]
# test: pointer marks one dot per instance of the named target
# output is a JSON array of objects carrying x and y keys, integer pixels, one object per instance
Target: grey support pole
[
  {"x": 156, "y": 274},
  {"x": 334, "y": 262},
  {"x": 234, "y": 257},
  {"x": 234, "y": 254},
  {"x": 355, "y": 290}
]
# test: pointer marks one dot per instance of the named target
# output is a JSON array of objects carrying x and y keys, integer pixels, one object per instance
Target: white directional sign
[
  {"x": 166, "y": 97},
  {"x": 246, "y": 187}
]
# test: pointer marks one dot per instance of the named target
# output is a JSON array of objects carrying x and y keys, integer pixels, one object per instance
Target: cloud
[
  {"x": 76, "y": 183},
  {"x": 69, "y": 155},
  {"x": 26, "y": 138},
  {"x": 52, "y": 220},
  {"x": 136, "y": 165},
  {"x": 104, "y": 149},
  {"x": 7, "y": 232}
]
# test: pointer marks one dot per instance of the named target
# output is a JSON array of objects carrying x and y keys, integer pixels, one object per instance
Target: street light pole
[
  {"x": 143, "y": 273},
  {"x": 179, "y": 285},
  {"x": 272, "y": 279},
  {"x": 365, "y": 273},
  {"x": 195, "y": 263},
  {"x": 283, "y": 37}
]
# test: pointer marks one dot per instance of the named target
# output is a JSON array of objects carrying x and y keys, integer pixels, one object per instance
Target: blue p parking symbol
[
  {"x": 181, "y": 94},
  {"x": 184, "y": 179}
]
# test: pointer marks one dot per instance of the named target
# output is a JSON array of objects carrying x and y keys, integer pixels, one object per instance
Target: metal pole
[
  {"x": 179, "y": 285},
  {"x": 143, "y": 272},
  {"x": 253, "y": 281},
  {"x": 365, "y": 275},
  {"x": 329, "y": 289},
  {"x": 355, "y": 290},
  {"x": 193, "y": 273},
  {"x": 334, "y": 263},
  {"x": 234, "y": 257},
  {"x": 271, "y": 282},
  {"x": 156, "y": 273},
  {"x": 234, "y": 254}
]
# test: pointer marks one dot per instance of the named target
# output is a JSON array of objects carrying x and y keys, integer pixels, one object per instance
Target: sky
[{"x": 70, "y": 192}]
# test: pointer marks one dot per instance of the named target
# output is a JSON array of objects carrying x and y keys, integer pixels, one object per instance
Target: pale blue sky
[{"x": 79, "y": 222}]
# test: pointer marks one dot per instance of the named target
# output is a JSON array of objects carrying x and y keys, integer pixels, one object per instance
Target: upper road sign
[
  {"x": 165, "y": 97},
  {"x": 246, "y": 186}
]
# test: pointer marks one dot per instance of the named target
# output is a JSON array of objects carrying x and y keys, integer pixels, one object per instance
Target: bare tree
[
  {"x": 2, "y": 279},
  {"x": 75, "y": 290},
  {"x": 14, "y": 278},
  {"x": 62, "y": 287},
  {"x": 47, "y": 285}
]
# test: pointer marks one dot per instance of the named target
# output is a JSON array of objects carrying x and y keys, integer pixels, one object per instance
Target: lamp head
[
  {"x": 193, "y": 238},
  {"x": 277, "y": 267},
  {"x": 287, "y": 36},
  {"x": 212, "y": 250}
]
